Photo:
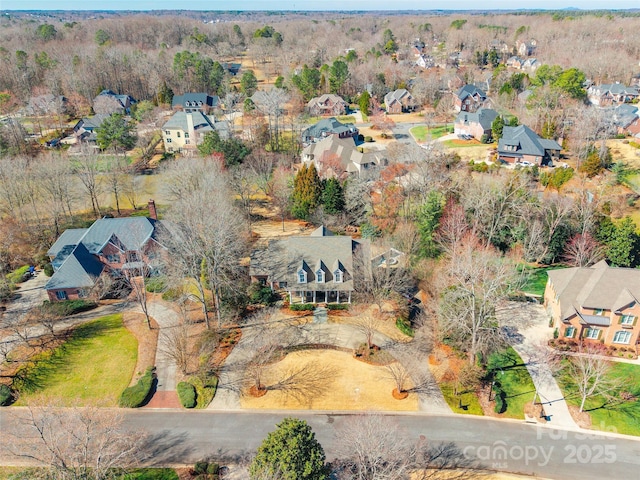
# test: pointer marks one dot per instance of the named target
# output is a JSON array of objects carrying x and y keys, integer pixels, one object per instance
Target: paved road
[{"x": 184, "y": 437}]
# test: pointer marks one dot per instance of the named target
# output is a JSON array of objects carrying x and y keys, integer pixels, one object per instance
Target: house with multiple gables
[
  {"x": 328, "y": 104},
  {"x": 84, "y": 129},
  {"x": 110, "y": 246},
  {"x": 184, "y": 131},
  {"x": 399, "y": 101},
  {"x": 319, "y": 268},
  {"x": 625, "y": 118},
  {"x": 476, "y": 124},
  {"x": 595, "y": 304},
  {"x": 521, "y": 144},
  {"x": 195, "y": 102},
  {"x": 469, "y": 99},
  {"x": 109, "y": 102},
  {"x": 340, "y": 157},
  {"x": 328, "y": 127},
  {"x": 611, "y": 93}
]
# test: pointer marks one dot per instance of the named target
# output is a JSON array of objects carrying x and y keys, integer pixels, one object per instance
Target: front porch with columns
[{"x": 319, "y": 296}]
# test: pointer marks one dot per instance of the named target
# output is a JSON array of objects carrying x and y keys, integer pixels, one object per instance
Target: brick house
[
  {"x": 521, "y": 144},
  {"x": 469, "y": 99},
  {"x": 476, "y": 124},
  {"x": 328, "y": 127},
  {"x": 327, "y": 105},
  {"x": 110, "y": 246},
  {"x": 340, "y": 157},
  {"x": 611, "y": 93},
  {"x": 399, "y": 101},
  {"x": 595, "y": 304}
]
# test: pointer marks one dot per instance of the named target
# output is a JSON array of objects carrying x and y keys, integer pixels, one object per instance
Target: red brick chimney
[{"x": 152, "y": 210}]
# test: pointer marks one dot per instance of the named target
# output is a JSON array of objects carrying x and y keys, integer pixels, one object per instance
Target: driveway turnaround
[{"x": 341, "y": 335}]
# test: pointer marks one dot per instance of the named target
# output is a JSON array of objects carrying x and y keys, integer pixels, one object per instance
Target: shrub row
[
  {"x": 136, "y": 395},
  {"x": 6, "y": 396},
  {"x": 187, "y": 394},
  {"x": 68, "y": 307},
  {"x": 302, "y": 307},
  {"x": 404, "y": 325},
  {"x": 338, "y": 306},
  {"x": 18, "y": 275}
]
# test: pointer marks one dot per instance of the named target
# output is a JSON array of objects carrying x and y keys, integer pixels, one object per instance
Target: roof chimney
[{"x": 152, "y": 210}]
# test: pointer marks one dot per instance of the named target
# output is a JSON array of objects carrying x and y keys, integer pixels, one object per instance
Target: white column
[
  {"x": 314, "y": 296},
  {"x": 338, "y": 295},
  {"x": 290, "y": 298},
  {"x": 349, "y": 301}
]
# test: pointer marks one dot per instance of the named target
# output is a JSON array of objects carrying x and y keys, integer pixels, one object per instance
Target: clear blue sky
[{"x": 308, "y": 4}]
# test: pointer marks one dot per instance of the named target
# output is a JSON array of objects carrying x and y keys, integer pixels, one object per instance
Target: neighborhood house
[
  {"x": 477, "y": 124},
  {"x": 521, "y": 144},
  {"x": 596, "y": 304},
  {"x": 339, "y": 157},
  {"x": 110, "y": 246}
]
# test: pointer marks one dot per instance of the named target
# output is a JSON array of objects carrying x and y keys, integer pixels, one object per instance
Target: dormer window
[
  {"x": 319, "y": 276},
  {"x": 337, "y": 276},
  {"x": 302, "y": 276}
]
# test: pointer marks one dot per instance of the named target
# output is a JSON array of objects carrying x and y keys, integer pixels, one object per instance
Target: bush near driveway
[
  {"x": 136, "y": 395},
  {"x": 187, "y": 394}
]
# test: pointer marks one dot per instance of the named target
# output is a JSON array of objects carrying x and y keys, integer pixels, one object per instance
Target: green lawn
[
  {"x": 466, "y": 402},
  {"x": 536, "y": 280},
  {"x": 421, "y": 133},
  {"x": 462, "y": 144},
  {"x": 610, "y": 415},
  {"x": 94, "y": 366},
  {"x": 515, "y": 381},
  {"x": 10, "y": 473}
]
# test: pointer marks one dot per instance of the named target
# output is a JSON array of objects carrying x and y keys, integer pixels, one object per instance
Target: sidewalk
[{"x": 533, "y": 332}]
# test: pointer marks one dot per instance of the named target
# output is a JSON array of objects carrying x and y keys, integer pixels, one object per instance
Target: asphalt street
[{"x": 179, "y": 437}]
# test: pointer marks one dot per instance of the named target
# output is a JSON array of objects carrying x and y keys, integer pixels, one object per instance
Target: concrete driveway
[{"x": 30, "y": 294}]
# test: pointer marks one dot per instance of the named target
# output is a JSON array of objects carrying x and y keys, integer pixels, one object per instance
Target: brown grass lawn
[
  {"x": 353, "y": 385},
  {"x": 386, "y": 326},
  {"x": 625, "y": 152}
]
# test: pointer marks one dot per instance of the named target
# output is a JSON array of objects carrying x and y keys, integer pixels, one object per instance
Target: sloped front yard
[{"x": 94, "y": 366}]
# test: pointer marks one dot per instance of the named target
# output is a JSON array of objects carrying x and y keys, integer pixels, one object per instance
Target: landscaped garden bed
[{"x": 574, "y": 346}]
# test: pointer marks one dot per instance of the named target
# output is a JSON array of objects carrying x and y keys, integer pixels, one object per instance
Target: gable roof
[
  {"x": 71, "y": 236},
  {"x": 328, "y": 125},
  {"x": 326, "y": 99},
  {"x": 484, "y": 117},
  {"x": 470, "y": 90},
  {"x": 346, "y": 149},
  {"x": 192, "y": 100},
  {"x": 283, "y": 258},
  {"x": 179, "y": 121},
  {"x": 132, "y": 232},
  {"x": 125, "y": 100},
  {"x": 599, "y": 286},
  {"x": 91, "y": 123},
  {"x": 79, "y": 270},
  {"x": 396, "y": 96},
  {"x": 526, "y": 141}
]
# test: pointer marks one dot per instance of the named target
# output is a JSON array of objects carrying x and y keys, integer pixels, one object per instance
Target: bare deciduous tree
[
  {"x": 206, "y": 237},
  {"x": 475, "y": 279},
  {"x": 375, "y": 448},
  {"x": 86, "y": 168},
  {"x": 583, "y": 250},
  {"x": 87, "y": 442},
  {"x": 591, "y": 373}
]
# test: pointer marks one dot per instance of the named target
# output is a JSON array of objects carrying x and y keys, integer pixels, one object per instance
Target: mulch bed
[{"x": 399, "y": 395}]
